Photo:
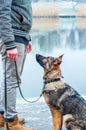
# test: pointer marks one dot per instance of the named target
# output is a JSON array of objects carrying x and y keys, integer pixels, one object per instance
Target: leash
[
  {"x": 5, "y": 83},
  {"x": 20, "y": 88},
  {"x": 6, "y": 96}
]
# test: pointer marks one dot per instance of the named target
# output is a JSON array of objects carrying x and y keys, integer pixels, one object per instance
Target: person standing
[{"x": 15, "y": 25}]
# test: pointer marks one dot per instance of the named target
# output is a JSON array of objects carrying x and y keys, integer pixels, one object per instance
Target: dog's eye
[
  {"x": 59, "y": 63},
  {"x": 54, "y": 62}
]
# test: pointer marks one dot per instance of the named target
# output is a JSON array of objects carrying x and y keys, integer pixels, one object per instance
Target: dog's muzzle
[{"x": 39, "y": 59}]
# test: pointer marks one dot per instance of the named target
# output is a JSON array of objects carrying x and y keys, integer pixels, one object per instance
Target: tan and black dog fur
[{"x": 68, "y": 108}]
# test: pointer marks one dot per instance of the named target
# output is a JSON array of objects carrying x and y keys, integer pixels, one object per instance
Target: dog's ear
[{"x": 60, "y": 58}]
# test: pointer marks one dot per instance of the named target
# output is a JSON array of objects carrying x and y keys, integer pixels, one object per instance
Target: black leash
[
  {"x": 20, "y": 87},
  {"x": 6, "y": 96},
  {"x": 19, "y": 90}
]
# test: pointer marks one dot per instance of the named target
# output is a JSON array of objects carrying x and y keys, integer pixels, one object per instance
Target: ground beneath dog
[{"x": 37, "y": 114}]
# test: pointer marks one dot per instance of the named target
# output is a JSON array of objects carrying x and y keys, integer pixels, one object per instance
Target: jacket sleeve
[{"x": 7, "y": 35}]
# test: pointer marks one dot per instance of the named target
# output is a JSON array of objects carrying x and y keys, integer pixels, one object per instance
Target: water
[
  {"x": 52, "y": 37},
  {"x": 67, "y": 41}
]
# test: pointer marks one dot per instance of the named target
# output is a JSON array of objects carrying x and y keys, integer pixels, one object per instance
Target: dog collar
[{"x": 52, "y": 80}]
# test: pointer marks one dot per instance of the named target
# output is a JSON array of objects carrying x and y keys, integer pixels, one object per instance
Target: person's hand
[
  {"x": 12, "y": 54},
  {"x": 29, "y": 47}
]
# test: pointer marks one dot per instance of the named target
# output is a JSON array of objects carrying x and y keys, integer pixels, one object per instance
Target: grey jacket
[{"x": 15, "y": 19}]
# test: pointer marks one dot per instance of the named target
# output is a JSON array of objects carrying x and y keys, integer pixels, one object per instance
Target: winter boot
[
  {"x": 15, "y": 125},
  {"x": 1, "y": 120},
  {"x": 21, "y": 120}
]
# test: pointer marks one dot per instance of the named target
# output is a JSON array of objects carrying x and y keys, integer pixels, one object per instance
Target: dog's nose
[{"x": 38, "y": 57}]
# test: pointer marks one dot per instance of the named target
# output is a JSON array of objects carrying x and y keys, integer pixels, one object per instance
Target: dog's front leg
[{"x": 56, "y": 118}]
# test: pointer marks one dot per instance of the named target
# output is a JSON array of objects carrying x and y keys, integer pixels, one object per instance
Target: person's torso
[{"x": 21, "y": 15}]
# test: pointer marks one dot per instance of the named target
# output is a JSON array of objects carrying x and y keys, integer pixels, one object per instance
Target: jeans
[{"x": 11, "y": 80}]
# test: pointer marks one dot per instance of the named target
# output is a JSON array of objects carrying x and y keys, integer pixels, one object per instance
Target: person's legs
[
  {"x": 11, "y": 83},
  {"x": 12, "y": 80}
]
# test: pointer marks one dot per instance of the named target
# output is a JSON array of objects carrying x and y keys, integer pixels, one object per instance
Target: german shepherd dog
[{"x": 67, "y": 107}]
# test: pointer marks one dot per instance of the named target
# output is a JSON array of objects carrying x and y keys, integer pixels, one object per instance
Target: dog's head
[{"x": 51, "y": 65}]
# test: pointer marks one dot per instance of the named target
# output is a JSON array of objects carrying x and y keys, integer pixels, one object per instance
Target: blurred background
[{"x": 58, "y": 27}]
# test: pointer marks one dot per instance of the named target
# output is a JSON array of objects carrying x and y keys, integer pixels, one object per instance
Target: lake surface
[{"x": 66, "y": 39}]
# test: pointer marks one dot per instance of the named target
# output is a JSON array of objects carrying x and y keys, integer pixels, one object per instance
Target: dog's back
[
  {"x": 72, "y": 103},
  {"x": 71, "y": 100}
]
